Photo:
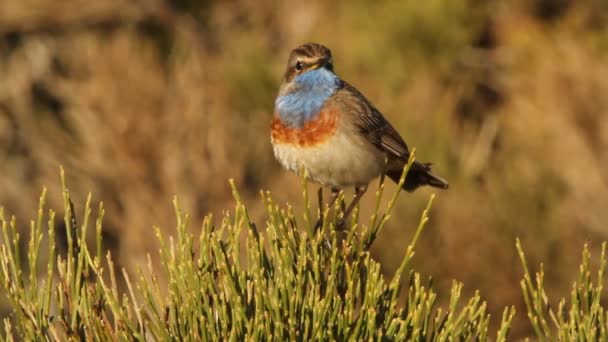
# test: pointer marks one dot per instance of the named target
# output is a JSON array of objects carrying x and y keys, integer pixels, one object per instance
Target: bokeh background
[{"x": 143, "y": 100}]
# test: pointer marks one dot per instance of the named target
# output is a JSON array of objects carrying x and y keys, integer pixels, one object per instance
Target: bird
[{"x": 326, "y": 128}]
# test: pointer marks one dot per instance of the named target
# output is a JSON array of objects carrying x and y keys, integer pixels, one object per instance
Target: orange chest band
[{"x": 313, "y": 132}]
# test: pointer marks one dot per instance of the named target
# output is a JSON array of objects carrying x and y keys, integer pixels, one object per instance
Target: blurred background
[{"x": 143, "y": 100}]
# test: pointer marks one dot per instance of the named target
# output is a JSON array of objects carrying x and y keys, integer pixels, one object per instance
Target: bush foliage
[{"x": 292, "y": 280}]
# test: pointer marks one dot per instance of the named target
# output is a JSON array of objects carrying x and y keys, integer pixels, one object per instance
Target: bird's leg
[
  {"x": 335, "y": 194},
  {"x": 320, "y": 206},
  {"x": 342, "y": 205},
  {"x": 359, "y": 191}
]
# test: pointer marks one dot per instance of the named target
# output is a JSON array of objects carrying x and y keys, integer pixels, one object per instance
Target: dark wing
[{"x": 371, "y": 123}]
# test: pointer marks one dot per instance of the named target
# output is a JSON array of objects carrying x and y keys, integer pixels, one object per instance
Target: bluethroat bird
[{"x": 325, "y": 127}]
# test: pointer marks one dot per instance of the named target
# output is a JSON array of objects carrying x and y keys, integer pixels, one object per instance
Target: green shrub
[
  {"x": 583, "y": 319},
  {"x": 234, "y": 281}
]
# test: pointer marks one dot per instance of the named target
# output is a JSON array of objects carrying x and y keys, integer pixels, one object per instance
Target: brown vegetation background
[{"x": 143, "y": 100}]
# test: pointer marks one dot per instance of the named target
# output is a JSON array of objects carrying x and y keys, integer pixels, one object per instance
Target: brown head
[{"x": 307, "y": 57}]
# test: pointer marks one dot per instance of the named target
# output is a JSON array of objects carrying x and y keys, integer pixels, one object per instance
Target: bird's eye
[{"x": 299, "y": 66}]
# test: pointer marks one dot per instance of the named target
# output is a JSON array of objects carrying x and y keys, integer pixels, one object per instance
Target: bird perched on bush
[{"x": 327, "y": 128}]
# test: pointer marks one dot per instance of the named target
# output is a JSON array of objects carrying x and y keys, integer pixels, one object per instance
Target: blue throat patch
[{"x": 306, "y": 100}]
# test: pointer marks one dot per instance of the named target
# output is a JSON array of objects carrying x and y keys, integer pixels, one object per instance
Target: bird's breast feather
[{"x": 313, "y": 132}]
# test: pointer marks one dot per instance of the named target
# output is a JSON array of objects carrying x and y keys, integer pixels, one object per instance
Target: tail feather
[{"x": 418, "y": 175}]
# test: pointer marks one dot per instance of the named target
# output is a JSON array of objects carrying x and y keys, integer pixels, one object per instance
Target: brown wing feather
[
  {"x": 381, "y": 133},
  {"x": 372, "y": 124}
]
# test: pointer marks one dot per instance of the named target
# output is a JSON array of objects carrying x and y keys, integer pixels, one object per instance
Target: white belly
[{"x": 341, "y": 161}]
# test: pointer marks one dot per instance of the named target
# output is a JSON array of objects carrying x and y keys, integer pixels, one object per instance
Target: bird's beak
[
  {"x": 322, "y": 63},
  {"x": 315, "y": 66}
]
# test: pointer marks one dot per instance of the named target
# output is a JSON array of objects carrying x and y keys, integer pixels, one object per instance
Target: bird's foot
[
  {"x": 319, "y": 224},
  {"x": 340, "y": 224}
]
